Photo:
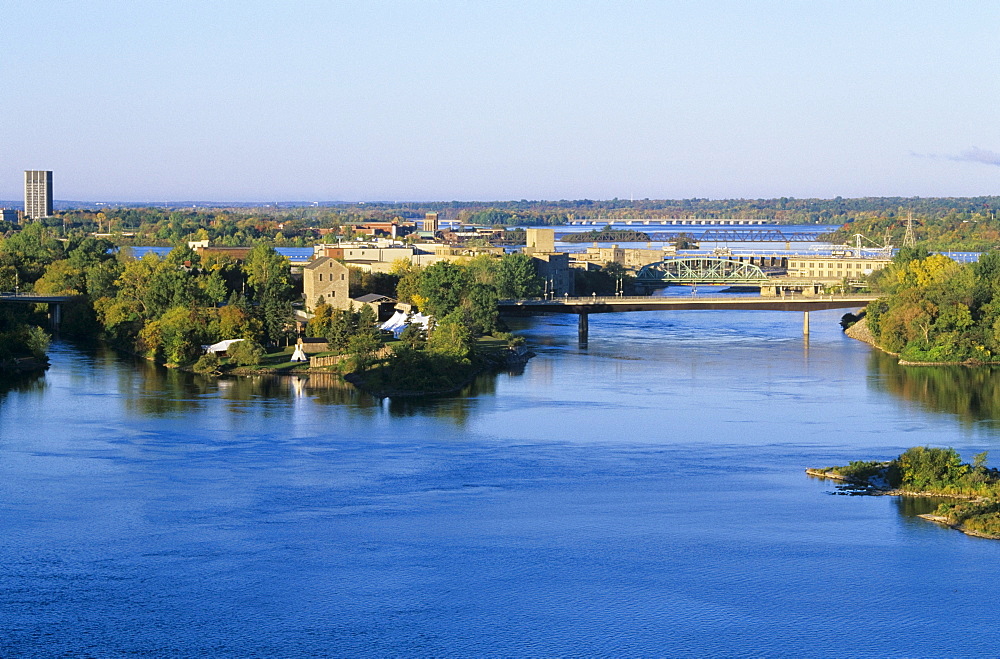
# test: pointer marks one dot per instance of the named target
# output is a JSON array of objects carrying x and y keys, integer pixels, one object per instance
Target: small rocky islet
[{"x": 972, "y": 489}]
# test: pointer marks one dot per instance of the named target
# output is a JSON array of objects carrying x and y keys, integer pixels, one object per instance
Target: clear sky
[{"x": 544, "y": 99}]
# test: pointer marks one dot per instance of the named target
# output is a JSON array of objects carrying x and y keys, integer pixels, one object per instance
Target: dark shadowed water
[{"x": 644, "y": 496}]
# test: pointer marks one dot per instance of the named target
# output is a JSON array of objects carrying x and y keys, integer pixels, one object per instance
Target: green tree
[
  {"x": 516, "y": 277},
  {"x": 480, "y": 306},
  {"x": 451, "y": 337},
  {"x": 443, "y": 286},
  {"x": 245, "y": 353}
]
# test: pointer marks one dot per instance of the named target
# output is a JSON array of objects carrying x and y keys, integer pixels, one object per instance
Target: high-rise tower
[{"x": 37, "y": 194}]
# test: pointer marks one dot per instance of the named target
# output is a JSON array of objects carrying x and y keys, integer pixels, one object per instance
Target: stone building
[
  {"x": 540, "y": 240},
  {"x": 555, "y": 272},
  {"x": 327, "y": 278},
  {"x": 834, "y": 268}
]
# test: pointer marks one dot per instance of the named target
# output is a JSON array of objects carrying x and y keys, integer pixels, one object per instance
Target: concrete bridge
[
  {"x": 54, "y": 301},
  {"x": 584, "y": 306}
]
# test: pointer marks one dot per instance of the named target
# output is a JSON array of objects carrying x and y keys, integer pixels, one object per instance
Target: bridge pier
[
  {"x": 55, "y": 314},
  {"x": 583, "y": 329},
  {"x": 805, "y": 323}
]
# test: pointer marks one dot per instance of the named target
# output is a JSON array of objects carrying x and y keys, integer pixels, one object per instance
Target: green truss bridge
[{"x": 700, "y": 270}]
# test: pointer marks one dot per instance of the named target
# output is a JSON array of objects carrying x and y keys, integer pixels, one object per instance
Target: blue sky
[{"x": 414, "y": 100}]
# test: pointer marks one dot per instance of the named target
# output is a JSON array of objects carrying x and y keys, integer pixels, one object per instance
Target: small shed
[{"x": 380, "y": 304}]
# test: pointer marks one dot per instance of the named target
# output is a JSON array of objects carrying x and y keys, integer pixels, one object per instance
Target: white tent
[
  {"x": 221, "y": 346},
  {"x": 398, "y": 321},
  {"x": 298, "y": 355}
]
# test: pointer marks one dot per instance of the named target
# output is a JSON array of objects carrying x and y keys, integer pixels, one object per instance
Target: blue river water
[{"x": 641, "y": 496}]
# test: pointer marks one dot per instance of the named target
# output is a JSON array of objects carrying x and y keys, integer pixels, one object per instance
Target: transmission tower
[{"x": 909, "y": 239}]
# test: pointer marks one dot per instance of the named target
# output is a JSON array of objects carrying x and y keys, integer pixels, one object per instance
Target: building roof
[
  {"x": 315, "y": 263},
  {"x": 373, "y": 297}
]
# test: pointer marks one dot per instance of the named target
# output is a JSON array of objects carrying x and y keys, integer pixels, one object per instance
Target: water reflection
[
  {"x": 972, "y": 394},
  {"x": 22, "y": 383},
  {"x": 913, "y": 506},
  {"x": 150, "y": 390},
  {"x": 454, "y": 407}
]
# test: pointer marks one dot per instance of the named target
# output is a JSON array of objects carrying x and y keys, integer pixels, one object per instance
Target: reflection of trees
[
  {"x": 21, "y": 382},
  {"x": 970, "y": 393},
  {"x": 149, "y": 389},
  {"x": 913, "y": 506},
  {"x": 330, "y": 389},
  {"x": 454, "y": 406}
]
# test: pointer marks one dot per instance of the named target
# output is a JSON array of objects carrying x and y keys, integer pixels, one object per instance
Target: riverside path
[{"x": 584, "y": 306}]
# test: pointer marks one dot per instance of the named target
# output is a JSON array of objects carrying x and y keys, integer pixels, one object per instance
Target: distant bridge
[
  {"x": 584, "y": 306},
  {"x": 744, "y": 235}
]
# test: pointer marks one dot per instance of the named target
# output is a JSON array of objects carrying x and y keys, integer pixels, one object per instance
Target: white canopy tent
[
  {"x": 401, "y": 319},
  {"x": 221, "y": 346}
]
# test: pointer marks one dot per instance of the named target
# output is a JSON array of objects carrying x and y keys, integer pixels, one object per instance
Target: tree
[
  {"x": 363, "y": 347},
  {"x": 319, "y": 324},
  {"x": 451, "y": 337},
  {"x": 408, "y": 286},
  {"x": 214, "y": 287},
  {"x": 443, "y": 285},
  {"x": 267, "y": 271},
  {"x": 182, "y": 332},
  {"x": 480, "y": 307},
  {"x": 340, "y": 329},
  {"x": 517, "y": 278},
  {"x": 245, "y": 353}
]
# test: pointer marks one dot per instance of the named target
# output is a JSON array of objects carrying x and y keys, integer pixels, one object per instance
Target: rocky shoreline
[{"x": 879, "y": 489}]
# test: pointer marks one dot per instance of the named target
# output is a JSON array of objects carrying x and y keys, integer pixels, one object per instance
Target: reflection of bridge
[
  {"x": 54, "y": 301},
  {"x": 584, "y": 306},
  {"x": 698, "y": 270}
]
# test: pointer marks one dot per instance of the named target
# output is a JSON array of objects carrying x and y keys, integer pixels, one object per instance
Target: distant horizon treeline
[
  {"x": 942, "y": 222},
  {"x": 785, "y": 209}
]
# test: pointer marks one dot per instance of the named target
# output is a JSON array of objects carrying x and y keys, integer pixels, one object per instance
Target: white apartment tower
[{"x": 37, "y": 194}]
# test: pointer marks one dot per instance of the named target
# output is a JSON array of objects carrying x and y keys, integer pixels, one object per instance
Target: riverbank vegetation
[
  {"x": 23, "y": 343},
  {"x": 927, "y": 471},
  {"x": 166, "y": 309},
  {"x": 936, "y": 310}
]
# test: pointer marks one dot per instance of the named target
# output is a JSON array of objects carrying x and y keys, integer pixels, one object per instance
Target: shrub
[
  {"x": 245, "y": 353},
  {"x": 208, "y": 363}
]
